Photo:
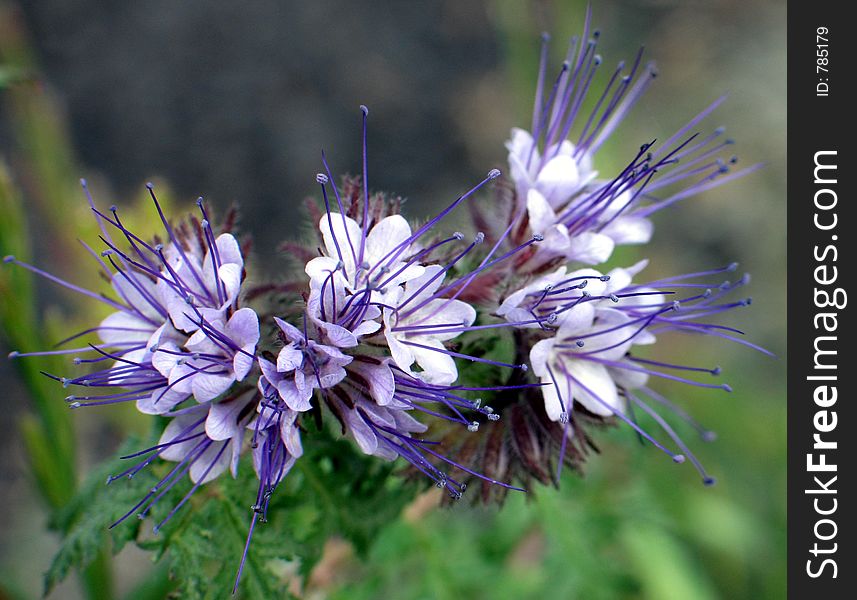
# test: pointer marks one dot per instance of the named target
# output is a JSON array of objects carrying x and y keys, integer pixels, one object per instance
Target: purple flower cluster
[{"x": 391, "y": 315}]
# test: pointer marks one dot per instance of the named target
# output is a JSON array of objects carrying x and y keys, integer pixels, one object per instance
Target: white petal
[
  {"x": 320, "y": 268},
  {"x": 338, "y": 336},
  {"x": 402, "y": 354},
  {"x": 405, "y": 422},
  {"x": 541, "y": 215},
  {"x": 214, "y": 461},
  {"x": 346, "y": 234},
  {"x": 291, "y": 436},
  {"x": 521, "y": 144},
  {"x": 180, "y": 379},
  {"x": 629, "y": 230},
  {"x": 222, "y": 421},
  {"x": 366, "y": 328},
  {"x": 140, "y": 293},
  {"x": 619, "y": 280},
  {"x": 615, "y": 341},
  {"x": 553, "y": 405},
  {"x": 177, "y": 429},
  {"x": 441, "y": 312},
  {"x": 438, "y": 366},
  {"x": 160, "y": 401},
  {"x": 540, "y": 354},
  {"x": 382, "y": 386},
  {"x": 243, "y": 362},
  {"x": 289, "y": 359},
  {"x": 593, "y": 387},
  {"x": 559, "y": 179},
  {"x": 165, "y": 358},
  {"x": 121, "y": 327},
  {"x": 360, "y": 431},
  {"x": 230, "y": 275},
  {"x": 181, "y": 314},
  {"x": 385, "y": 237},
  {"x": 590, "y": 248},
  {"x": 432, "y": 278},
  {"x": 243, "y": 327},
  {"x": 576, "y": 321},
  {"x": 208, "y": 387},
  {"x": 628, "y": 378},
  {"x": 296, "y": 399},
  {"x": 520, "y": 296},
  {"x": 228, "y": 250},
  {"x": 594, "y": 285}
]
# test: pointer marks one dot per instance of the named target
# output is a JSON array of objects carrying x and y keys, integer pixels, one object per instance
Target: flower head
[
  {"x": 382, "y": 307},
  {"x": 553, "y": 166},
  {"x": 175, "y": 344},
  {"x": 588, "y": 353}
]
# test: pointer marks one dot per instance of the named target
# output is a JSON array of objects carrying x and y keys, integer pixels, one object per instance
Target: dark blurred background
[{"x": 235, "y": 101}]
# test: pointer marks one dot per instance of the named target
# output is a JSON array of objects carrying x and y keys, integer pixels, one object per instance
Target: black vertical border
[{"x": 820, "y": 123}]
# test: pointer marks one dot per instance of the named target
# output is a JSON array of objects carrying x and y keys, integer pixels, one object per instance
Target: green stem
[{"x": 97, "y": 578}]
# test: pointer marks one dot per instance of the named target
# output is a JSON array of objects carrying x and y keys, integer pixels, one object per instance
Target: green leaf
[{"x": 87, "y": 517}]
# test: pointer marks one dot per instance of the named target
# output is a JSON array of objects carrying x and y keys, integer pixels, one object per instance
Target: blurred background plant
[{"x": 236, "y": 102}]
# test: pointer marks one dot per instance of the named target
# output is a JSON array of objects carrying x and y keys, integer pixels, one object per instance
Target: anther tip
[
  {"x": 524, "y": 367},
  {"x": 726, "y": 387},
  {"x": 709, "y": 481},
  {"x": 150, "y": 185},
  {"x": 458, "y": 236},
  {"x": 493, "y": 173},
  {"x": 199, "y": 202},
  {"x": 538, "y": 237},
  {"x": 597, "y": 60},
  {"x": 321, "y": 178},
  {"x": 678, "y": 458},
  {"x": 74, "y": 405},
  {"x": 8, "y": 258},
  {"x": 732, "y": 267},
  {"x": 13, "y": 354},
  {"x": 720, "y": 130},
  {"x": 480, "y": 237},
  {"x": 82, "y": 182},
  {"x": 716, "y": 370},
  {"x": 113, "y": 208},
  {"x": 365, "y": 110},
  {"x": 546, "y": 37},
  {"x": 709, "y": 436},
  {"x": 580, "y": 343}
]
